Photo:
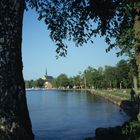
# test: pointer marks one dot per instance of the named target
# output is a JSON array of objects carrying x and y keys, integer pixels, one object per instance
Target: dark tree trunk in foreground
[{"x": 15, "y": 123}]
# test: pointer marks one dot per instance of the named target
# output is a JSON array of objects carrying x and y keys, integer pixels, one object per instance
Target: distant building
[
  {"x": 48, "y": 85},
  {"x": 48, "y": 79}
]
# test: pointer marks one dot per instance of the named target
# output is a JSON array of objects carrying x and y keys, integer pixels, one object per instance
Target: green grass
[{"x": 120, "y": 93}]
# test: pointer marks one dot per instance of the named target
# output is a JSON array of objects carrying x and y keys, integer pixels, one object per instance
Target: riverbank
[{"x": 122, "y": 99}]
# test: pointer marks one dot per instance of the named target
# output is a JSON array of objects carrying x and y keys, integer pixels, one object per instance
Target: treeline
[
  {"x": 119, "y": 76},
  {"x": 39, "y": 83}
]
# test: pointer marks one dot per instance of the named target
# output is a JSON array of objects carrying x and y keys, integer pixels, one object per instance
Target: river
[{"x": 70, "y": 115}]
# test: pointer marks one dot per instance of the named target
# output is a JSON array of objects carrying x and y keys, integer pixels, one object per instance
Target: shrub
[{"x": 132, "y": 130}]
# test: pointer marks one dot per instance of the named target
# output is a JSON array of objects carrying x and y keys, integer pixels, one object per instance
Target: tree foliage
[
  {"x": 131, "y": 130},
  {"x": 62, "y": 81},
  {"x": 123, "y": 69},
  {"x": 81, "y": 20},
  {"x": 101, "y": 78},
  {"x": 39, "y": 83}
]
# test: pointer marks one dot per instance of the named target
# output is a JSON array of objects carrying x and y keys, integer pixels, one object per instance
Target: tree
[
  {"x": 77, "y": 81},
  {"x": 71, "y": 82},
  {"x": 123, "y": 70},
  {"x": 40, "y": 82},
  {"x": 62, "y": 81},
  {"x": 134, "y": 72},
  {"x": 88, "y": 75},
  {"x": 110, "y": 76},
  {"x": 15, "y": 123}
]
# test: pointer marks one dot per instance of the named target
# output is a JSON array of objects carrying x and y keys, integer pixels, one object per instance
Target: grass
[{"x": 124, "y": 94}]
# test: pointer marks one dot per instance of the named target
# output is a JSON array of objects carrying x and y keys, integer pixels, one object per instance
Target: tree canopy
[{"x": 81, "y": 20}]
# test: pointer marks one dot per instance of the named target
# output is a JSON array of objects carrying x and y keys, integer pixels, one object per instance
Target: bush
[{"x": 132, "y": 130}]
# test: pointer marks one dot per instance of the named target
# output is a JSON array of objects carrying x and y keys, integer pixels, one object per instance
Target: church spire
[{"x": 46, "y": 74}]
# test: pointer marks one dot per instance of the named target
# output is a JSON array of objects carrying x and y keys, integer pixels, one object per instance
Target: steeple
[{"x": 46, "y": 74}]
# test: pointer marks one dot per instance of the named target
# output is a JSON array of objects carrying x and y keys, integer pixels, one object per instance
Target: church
[{"x": 48, "y": 83}]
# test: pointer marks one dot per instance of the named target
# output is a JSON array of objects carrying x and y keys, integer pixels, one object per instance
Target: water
[{"x": 69, "y": 115}]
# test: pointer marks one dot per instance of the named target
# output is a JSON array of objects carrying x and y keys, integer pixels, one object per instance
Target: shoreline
[
  {"x": 126, "y": 105},
  {"x": 115, "y": 133}
]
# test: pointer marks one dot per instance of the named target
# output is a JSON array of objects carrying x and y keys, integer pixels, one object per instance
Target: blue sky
[{"x": 38, "y": 52}]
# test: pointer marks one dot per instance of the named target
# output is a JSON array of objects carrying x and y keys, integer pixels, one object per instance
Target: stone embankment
[
  {"x": 114, "y": 99},
  {"x": 130, "y": 107},
  {"x": 115, "y": 133}
]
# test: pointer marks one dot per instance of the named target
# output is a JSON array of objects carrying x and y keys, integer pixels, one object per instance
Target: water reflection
[{"x": 69, "y": 115}]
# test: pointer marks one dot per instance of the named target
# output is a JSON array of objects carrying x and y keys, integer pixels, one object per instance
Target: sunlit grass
[{"x": 124, "y": 94}]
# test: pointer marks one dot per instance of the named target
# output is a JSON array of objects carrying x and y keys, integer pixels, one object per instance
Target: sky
[{"x": 38, "y": 52}]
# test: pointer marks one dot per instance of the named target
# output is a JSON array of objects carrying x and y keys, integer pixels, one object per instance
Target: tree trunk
[
  {"x": 121, "y": 85},
  {"x": 137, "y": 45},
  {"x": 15, "y": 123},
  {"x": 135, "y": 81},
  {"x": 110, "y": 84}
]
